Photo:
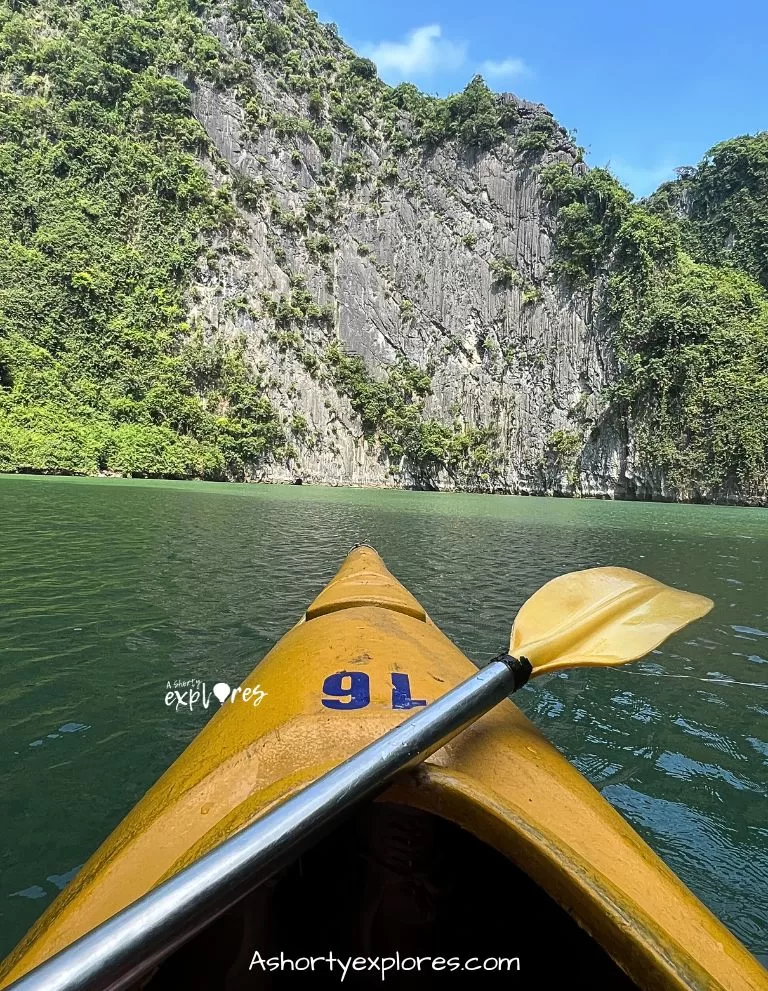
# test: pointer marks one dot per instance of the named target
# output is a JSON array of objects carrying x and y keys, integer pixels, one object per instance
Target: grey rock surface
[{"x": 410, "y": 275}]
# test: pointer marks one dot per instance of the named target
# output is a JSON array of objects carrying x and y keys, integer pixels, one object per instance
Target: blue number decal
[
  {"x": 401, "y": 693},
  {"x": 352, "y": 685}
]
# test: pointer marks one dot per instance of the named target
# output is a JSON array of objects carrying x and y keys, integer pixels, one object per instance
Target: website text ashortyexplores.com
[{"x": 343, "y": 966}]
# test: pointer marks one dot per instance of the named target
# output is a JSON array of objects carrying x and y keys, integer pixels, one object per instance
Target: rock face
[
  {"x": 410, "y": 274},
  {"x": 360, "y": 239},
  {"x": 241, "y": 255}
]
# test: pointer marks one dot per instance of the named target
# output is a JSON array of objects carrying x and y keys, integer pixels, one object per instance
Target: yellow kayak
[{"x": 493, "y": 855}]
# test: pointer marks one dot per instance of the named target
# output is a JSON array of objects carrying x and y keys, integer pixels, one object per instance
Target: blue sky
[{"x": 647, "y": 85}]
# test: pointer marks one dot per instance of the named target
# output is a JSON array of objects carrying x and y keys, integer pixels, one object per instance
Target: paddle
[
  {"x": 587, "y": 618},
  {"x": 599, "y": 617}
]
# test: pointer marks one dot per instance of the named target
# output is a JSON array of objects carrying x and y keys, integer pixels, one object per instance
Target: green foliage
[
  {"x": 476, "y": 117},
  {"x": 389, "y": 170},
  {"x": 297, "y": 307},
  {"x": 319, "y": 245},
  {"x": 287, "y": 220},
  {"x": 275, "y": 38},
  {"x": 248, "y": 192},
  {"x": 392, "y": 410},
  {"x": 362, "y": 67},
  {"x": 316, "y": 104},
  {"x": 288, "y": 126},
  {"x": 564, "y": 446},
  {"x": 531, "y": 294},
  {"x": 505, "y": 273},
  {"x": 562, "y": 451},
  {"x": 351, "y": 171},
  {"x": 537, "y": 137},
  {"x": 103, "y": 212},
  {"x": 299, "y": 425},
  {"x": 694, "y": 348},
  {"x": 591, "y": 206},
  {"x": 722, "y": 206},
  {"x": 691, "y": 338},
  {"x": 345, "y": 88},
  {"x": 262, "y": 37}
]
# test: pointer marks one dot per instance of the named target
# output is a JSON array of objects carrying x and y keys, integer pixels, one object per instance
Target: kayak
[{"x": 494, "y": 855}]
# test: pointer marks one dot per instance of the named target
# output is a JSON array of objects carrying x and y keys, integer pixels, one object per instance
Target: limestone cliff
[
  {"x": 410, "y": 291},
  {"x": 410, "y": 269}
]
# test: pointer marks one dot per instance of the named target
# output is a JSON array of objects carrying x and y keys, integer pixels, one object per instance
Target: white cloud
[
  {"x": 505, "y": 69},
  {"x": 423, "y": 52}
]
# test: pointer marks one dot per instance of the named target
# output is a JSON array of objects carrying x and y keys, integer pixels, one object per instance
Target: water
[{"x": 109, "y": 588}]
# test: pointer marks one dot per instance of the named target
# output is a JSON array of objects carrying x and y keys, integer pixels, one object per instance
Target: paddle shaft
[{"x": 126, "y": 947}]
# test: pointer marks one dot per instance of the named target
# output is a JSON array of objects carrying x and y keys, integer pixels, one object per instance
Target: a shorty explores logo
[{"x": 193, "y": 692}]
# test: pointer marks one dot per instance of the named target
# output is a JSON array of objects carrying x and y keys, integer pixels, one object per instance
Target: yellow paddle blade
[{"x": 598, "y": 617}]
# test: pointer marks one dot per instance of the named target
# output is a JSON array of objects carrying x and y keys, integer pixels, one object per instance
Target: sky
[{"x": 648, "y": 85}]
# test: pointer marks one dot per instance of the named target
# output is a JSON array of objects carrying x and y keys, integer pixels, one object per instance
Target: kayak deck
[{"x": 361, "y": 659}]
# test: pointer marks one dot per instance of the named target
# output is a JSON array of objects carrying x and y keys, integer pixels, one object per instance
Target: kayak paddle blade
[{"x": 600, "y": 617}]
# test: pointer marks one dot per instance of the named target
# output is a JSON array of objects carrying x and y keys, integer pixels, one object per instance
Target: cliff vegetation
[{"x": 229, "y": 251}]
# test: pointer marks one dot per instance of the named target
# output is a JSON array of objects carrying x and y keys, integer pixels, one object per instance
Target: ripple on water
[
  {"x": 637, "y": 707},
  {"x": 749, "y": 631},
  {"x": 710, "y": 737},
  {"x": 111, "y": 589},
  {"x": 686, "y": 769},
  {"x": 689, "y": 841}
]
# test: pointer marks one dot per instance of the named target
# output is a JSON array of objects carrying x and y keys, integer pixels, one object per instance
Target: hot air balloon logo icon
[{"x": 221, "y": 690}]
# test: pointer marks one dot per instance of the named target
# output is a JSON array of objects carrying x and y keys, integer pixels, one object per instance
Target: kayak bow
[{"x": 499, "y": 797}]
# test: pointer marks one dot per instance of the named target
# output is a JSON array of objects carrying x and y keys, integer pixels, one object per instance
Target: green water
[{"x": 108, "y": 589}]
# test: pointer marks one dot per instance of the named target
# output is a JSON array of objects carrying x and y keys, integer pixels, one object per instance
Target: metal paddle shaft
[{"x": 124, "y": 948}]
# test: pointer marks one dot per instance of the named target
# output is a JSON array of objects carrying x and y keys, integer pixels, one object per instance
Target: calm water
[{"x": 108, "y": 589}]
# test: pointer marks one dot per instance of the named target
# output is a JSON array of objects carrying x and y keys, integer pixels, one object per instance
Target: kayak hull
[{"x": 362, "y": 659}]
